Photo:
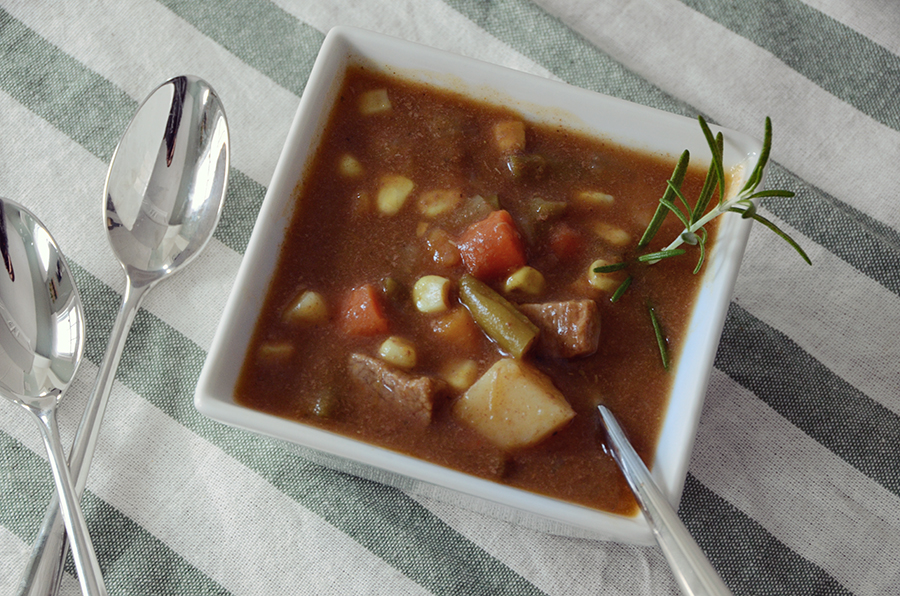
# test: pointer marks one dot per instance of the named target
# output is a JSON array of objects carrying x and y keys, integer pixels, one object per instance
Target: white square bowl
[{"x": 537, "y": 99}]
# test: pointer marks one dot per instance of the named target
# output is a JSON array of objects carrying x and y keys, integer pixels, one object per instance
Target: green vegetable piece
[{"x": 497, "y": 317}]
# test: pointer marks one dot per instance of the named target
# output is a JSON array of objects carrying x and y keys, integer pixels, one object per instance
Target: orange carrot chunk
[
  {"x": 565, "y": 242},
  {"x": 362, "y": 313},
  {"x": 492, "y": 248}
]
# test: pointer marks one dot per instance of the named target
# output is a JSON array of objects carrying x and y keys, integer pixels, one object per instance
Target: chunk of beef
[
  {"x": 568, "y": 329},
  {"x": 414, "y": 395}
]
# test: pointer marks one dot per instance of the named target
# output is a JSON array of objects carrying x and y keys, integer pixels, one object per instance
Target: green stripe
[
  {"x": 143, "y": 564},
  {"x": 94, "y": 113},
  {"x": 835, "y": 57},
  {"x": 749, "y": 559},
  {"x": 288, "y": 46},
  {"x": 813, "y": 398}
]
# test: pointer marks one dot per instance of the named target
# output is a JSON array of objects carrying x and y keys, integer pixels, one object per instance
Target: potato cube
[
  {"x": 374, "y": 102},
  {"x": 457, "y": 327},
  {"x": 309, "y": 308},
  {"x": 438, "y": 202},
  {"x": 398, "y": 351},
  {"x": 513, "y": 405},
  {"x": 431, "y": 293},
  {"x": 393, "y": 193},
  {"x": 460, "y": 374},
  {"x": 527, "y": 280},
  {"x": 509, "y": 136}
]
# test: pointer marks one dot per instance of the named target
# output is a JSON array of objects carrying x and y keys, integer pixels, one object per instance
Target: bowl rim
[{"x": 619, "y": 120}]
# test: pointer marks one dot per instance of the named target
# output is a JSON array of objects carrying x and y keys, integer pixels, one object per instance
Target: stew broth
[{"x": 572, "y": 200}]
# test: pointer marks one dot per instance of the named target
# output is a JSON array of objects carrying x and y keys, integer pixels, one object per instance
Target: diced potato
[
  {"x": 393, "y": 193},
  {"x": 527, "y": 280},
  {"x": 309, "y": 308},
  {"x": 513, "y": 405},
  {"x": 593, "y": 197},
  {"x": 374, "y": 102},
  {"x": 421, "y": 228},
  {"x": 431, "y": 293},
  {"x": 275, "y": 352},
  {"x": 612, "y": 234},
  {"x": 460, "y": 374},
  {"x": 434, "y": 203},
  {"x": 457, "y": 327},
  {"x": 398, "y": 351},
  {"x": 607, "y": 282},
  {"x": 442, "y": 248},
  {"x": 509, "y": 136},
  {"x": 349, "y": 166}
]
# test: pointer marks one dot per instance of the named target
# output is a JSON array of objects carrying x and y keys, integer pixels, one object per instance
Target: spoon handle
[
  {"x": 89, "y": 575},
  {"x": 693, "y": 571},
  {"x": 44, "y": 571}
]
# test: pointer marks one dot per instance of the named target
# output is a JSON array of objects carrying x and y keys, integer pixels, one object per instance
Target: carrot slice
[
  {"x": 362, "y": 313},
  {"x": 492, "y": 247}
]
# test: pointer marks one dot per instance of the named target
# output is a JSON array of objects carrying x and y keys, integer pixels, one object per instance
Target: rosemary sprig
[
  {"x": 742, "y": 202},
  {"x": 695, "y": 218}
]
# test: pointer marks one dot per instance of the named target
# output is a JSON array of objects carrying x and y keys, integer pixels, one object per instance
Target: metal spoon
[
  {"x": 163, "y": 198},
  {"x": 41, "y": 342},
  {"x": 693, "y": 571}
]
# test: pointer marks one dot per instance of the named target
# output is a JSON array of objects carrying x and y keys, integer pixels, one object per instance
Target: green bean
[{"x": 497, "y": 317}]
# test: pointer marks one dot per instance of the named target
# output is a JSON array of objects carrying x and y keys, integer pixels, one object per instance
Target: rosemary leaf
[
  {"x": 658, "y": 217},
  {"x": 610, "y": 268},
  {"x": 663, "y": 254},
  {"x": 674, "y": 209},
  {"x": 774, "y": 228},
  {"x": 660, "y": 338},
  {"x": 717, "y": 149},
  {"x": 621, "y": 289},
  {"x": 701, "y": 237},
  {"x": 756, "y": 177},
  {"x": 706, "y": 194},
  {"x": 771, "y": 193}
]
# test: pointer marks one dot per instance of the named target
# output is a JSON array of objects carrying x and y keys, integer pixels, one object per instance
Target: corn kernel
[
  {"x": 607, "y": 282},
  {"x": 612, "y": 234},
  {"x": 398, "y": 351},
  {"x": 437, "y": 202},
  {"x": 310, "y": 308},
  {"x": 509, "y": 136},
  {"x": 393, "y": 193},
  {"x": 431, "y": 293},
  {"x": 460, "y": 374},
  {"x": 349, "y": 166},
  {"x": 525, "y": 279}
]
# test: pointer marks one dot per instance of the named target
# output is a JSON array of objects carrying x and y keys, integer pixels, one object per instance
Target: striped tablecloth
[{"x": 794, "y": 482}]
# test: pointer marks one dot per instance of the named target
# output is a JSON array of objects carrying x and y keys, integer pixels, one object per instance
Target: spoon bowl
[
  {"x": 41, "y": 342},
  {"x": 162, "y": 201}
]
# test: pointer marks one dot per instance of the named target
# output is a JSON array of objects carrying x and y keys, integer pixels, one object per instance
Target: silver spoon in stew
[
  {"x": 41, "y": 343},
  {"x": 164, "y": 194},
  {"x": 693, "y": 571}
]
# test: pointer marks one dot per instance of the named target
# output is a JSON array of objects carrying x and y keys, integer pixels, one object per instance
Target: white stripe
[
  {"x": 116, "y": 44},
  {"x": 825, "y": 309},
  {"x": 429, "y": 22},
  {"x": 813, "y": 502},
  {"x": 817, "y": 136},
  {"x": 48, "y": 174}
]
